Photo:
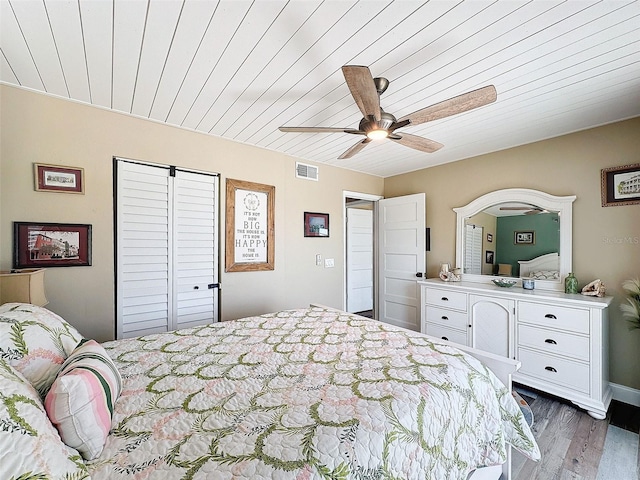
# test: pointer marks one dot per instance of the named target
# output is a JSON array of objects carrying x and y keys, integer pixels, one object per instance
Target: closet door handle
[
  {"x": 551, "y": 341},
  {"x": 444, "y": 317},
  {"x": 551, "y": 315},
  {"x": 551, "y": 369},
  {"x": 444, "y": 299}
]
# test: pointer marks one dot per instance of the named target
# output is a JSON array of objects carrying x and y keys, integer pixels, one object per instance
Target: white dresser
[{"x": 560, "y": 339}]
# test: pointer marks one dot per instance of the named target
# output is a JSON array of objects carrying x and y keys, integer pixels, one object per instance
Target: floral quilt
[{"x": 305, "y": 394}]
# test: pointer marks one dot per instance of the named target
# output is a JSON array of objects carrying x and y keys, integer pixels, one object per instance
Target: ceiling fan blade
[
  {"x": 459, "y": 104},
  {"x": 355, "y": 149},
  {"x": 418, "y": 143},
  {"x": 319, "y": 130},
  {"x": 363, "y": 89}
]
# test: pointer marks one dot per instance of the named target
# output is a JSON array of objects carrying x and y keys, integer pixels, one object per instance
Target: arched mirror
[{"x": 515, "y": 233}]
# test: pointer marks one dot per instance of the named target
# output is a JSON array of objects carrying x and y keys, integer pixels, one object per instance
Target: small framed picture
[
  {"x": 488, "y": 256},
  {"x": 57, "y": 178},
  {"x": 620, "y": 185},
  {"x": 489, "y": 238},
  {"x": 51, "y": 245},
  {"x": 524, "y": 238},
  {"x": 316, "y": 224}
]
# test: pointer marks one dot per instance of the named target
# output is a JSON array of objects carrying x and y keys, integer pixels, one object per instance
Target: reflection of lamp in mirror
[
  {"x": 23, "y": 286},
  {"x": 504, "y": 269}
]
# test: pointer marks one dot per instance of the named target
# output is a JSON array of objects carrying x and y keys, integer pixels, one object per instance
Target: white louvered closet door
[
  {"x": 195, "y": 262},
  {"x": 167, "y": 249},
  {"x": 473, "y": 249}
]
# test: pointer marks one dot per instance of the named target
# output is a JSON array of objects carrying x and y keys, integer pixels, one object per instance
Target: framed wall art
[
  {"x": 620, "y": 185},
  {"x": 524, "y": 237},
  {"x": 51, "y": 245},
  {"x": 58, "y": 178},
  {"x": 488, "y": 256},
  {"x": 250, "y": 232},
  {"x": 316, "y": 224}
]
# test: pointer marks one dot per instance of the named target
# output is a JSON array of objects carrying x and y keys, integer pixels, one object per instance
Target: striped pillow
[{"x": 81, "y": 400}]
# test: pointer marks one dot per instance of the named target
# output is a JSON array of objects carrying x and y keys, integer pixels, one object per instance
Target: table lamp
[{"x": 24, "y": 286}]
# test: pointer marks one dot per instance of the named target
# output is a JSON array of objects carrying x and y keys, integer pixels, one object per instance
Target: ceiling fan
[
  {"x": 530, "y": 209},
  {"x": 378, "y": 124}
]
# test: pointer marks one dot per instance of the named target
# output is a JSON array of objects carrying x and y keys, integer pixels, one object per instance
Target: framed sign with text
[{"x": 250, "y": 244}]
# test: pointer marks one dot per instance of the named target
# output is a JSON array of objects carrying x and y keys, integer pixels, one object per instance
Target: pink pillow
[{"x": 81, "y": 400}]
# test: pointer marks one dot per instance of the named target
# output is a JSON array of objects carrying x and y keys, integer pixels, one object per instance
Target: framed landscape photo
[
  {"x": 58, "y": 178},
  {"x": 620, "y": 185},
  {"x": 51, "y": 245},
  {"x": 316, "y": 224},
  {"x": 524, "y": 238}
]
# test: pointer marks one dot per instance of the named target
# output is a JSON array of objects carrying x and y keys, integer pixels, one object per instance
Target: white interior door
[
  {"x": 359, "y": 260},
  {"x": 473, "y": 249},
  {"x": 401, "y": 244},
  {"x": 144, "y": 289},
  {"x": 195, "y": 232}
]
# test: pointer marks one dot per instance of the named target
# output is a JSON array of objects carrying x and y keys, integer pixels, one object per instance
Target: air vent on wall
[{"x": 306, "y": 171}]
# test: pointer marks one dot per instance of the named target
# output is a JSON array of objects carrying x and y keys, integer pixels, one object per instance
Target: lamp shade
[
  {"x": 504, "y": 269},
  {"x": 25, "y": 286}
]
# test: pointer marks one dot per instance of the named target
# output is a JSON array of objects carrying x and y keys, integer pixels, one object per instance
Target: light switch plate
[
  {"x": 318, "y": 259},
  {"x": 328, "y": 263}
]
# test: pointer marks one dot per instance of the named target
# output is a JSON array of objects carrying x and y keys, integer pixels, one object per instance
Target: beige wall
[
  {"x": 606, "y": 241},
  {"x": 39, "y": 128}
]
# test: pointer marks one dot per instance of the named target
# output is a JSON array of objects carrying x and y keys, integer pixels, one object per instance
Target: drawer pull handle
[
  {"x": 445, "y": 338},
  {"x": 551, "y": 369},
  {"x": 550, "y": 315},
  {"x": 551, "y": 341},
  {"x": 444, "y": 299},
  {"x": 444, "y": 317}
]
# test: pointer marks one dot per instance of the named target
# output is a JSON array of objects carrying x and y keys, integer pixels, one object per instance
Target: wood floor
[{"x": 571, "y": 442}]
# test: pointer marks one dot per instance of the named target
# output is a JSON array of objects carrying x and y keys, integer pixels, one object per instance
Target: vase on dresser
[{"x": 571, "y": 284}]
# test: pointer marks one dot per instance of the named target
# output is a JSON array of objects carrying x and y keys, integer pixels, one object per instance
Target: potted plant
[{"x": 631, "y": 309}]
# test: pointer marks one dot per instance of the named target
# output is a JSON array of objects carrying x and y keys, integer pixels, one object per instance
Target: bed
[
  {"x": 544, "y": 267},
  {"x": 312, "y": 393}
]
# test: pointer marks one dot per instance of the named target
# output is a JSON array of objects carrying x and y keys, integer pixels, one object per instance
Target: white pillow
[
  {"x": 545, "y": 275},
  {"x": 81, "y": 400},
  {"x": 35, "y": 341},
  {"x": 30, "y": 446}
]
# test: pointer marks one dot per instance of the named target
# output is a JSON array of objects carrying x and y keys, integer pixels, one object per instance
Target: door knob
[{"x": 419, "y": 274}]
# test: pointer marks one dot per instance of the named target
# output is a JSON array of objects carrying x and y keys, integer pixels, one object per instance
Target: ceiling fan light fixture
[{"x": 377, "y": 134}]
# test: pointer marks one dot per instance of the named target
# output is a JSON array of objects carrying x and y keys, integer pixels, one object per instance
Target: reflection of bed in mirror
[{"x": 544, "y": 267}]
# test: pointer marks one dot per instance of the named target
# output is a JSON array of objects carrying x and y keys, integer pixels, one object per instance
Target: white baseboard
[{"x": 625, "y": 394}]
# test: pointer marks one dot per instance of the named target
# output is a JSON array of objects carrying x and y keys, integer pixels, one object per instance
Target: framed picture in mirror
[{"x": 524, "y": 237}]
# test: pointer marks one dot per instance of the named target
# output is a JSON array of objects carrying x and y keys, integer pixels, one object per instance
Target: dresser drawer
[
  {"x": 447, "y": 317},
  {"x": 447, "y": 299},
  {"x": 565, "y": 318},
  {"x": 551, "y": 341},
  {"x": 446, "y": 333},
  {"x": 560, "y": 371}
]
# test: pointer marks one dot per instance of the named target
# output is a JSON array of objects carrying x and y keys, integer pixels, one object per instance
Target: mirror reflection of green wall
[{"x": 546, "y": 227}]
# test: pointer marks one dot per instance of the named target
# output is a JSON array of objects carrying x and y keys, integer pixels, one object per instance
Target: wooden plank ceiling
[{"x": 240, "y": 69}]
